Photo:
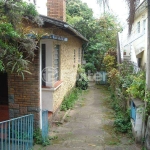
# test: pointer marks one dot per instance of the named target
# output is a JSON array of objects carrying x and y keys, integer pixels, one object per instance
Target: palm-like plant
[
  {"x": 104, "y": 4},
  {"x": 132, "y": 8}
]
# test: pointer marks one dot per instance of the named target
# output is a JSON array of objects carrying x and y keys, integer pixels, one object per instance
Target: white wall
[
  {"x": 49, "y": 53},
  {"x": 47, "y": 93},
  {"x": 47, "y": 99},
  {"x": 140, "y": 39},
  {"x": 137, "y": 42},
  {"x": 133, "y": 55}
]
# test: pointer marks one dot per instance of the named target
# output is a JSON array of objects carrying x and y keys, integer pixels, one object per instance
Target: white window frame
[
  {"x": 56, "y": 57},
  {"x": 74, "y": 56},
  {"x": 79, "y": 55},
  {"x": 138, "y": 27},
  {"x": 144, "y": 25}
]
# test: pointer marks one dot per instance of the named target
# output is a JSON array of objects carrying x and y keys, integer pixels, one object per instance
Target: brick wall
[
  {"x": 24, "y": 95},
  {"x": 56, "y": 9}
]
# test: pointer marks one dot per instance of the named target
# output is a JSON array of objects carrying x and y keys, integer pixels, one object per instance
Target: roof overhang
[
  {"x": 64, "y": 26},
  {"x": 139, "y": 52},
  {"x": 141, "y": 8}
]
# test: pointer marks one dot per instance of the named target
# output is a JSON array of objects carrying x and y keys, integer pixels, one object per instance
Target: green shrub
[
  {"x": 109, "y": 62},
  {"x": 38, "y": 139},
  {"x": 122, "y": 116},
  {"x": 137, "y": 87},
  {"x": 82, "y": 80},
  {"x": 70, "y": 99},
  {"x": 90, "y": 67},
  {"x": 122, "y": 122}
]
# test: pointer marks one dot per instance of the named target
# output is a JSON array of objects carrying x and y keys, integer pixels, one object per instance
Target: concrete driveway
[{"x": 89, "y": 126}]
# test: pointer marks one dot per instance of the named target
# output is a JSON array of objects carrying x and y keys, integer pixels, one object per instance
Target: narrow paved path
[{"x": 89, "y": 126}]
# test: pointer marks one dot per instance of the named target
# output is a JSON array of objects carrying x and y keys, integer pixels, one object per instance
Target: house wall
[
  {"x": 68, "y": 68},
  {"x": 137, "y": 42},
  {"x": 141, "y": 38},
  {"x": 24, "y": 95},
  {"x": 52, "y": 97},
  {"x": 47, "y": 99}
]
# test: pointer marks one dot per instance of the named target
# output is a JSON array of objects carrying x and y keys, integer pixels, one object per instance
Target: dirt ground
[{"x": 88, "y": 126}]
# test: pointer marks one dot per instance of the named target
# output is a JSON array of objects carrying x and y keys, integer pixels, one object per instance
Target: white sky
[{"x": 117, "y": 6}]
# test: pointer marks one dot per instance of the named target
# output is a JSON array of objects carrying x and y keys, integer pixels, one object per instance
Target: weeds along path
[{"x": 89, "y": 125}]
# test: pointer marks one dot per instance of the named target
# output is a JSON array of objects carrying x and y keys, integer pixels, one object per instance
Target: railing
[
  {"x": 17, "y": 133},
  {"x": 44, "y": 124}
]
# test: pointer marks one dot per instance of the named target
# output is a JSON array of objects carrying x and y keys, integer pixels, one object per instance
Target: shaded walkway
[{"x": 89, "y": 126}]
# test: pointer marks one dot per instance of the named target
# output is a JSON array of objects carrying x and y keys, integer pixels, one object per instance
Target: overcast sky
[{"x": 117, "y": 6}]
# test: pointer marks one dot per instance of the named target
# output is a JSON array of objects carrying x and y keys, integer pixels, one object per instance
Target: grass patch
[
  {"x": 70, "y": 99},
  {"x": 38, "y": 139},
  {"x": 113, "y": 138}
]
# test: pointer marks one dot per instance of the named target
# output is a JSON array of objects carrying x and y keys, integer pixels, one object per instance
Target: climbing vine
[{"x": 16, "y": 48}]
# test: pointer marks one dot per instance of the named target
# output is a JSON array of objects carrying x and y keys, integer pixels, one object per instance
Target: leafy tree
[
  {"x": 80, "y": 16},
  {"x": 16, "y": 49},
  {"x": 104, "y": 39},
  {"x": 110, "y": 60},
  {"x": 77, "y": 8},
  {"x": 101, "y": 32}
]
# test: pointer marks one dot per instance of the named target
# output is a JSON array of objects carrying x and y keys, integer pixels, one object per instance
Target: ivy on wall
[{"x": 16, "y": 49}]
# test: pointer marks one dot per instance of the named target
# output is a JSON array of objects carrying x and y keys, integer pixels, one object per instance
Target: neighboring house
[
  {"x": 54, "y": 68},
  {"x": 135, "y": 50},
  {"x": 135, "y": 46}
]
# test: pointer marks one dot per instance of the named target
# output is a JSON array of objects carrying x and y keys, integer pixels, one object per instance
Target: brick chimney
[{"x": 56, "y": 9}]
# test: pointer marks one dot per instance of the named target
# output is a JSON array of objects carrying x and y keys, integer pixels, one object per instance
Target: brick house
[{"x": 54, "y": 69}]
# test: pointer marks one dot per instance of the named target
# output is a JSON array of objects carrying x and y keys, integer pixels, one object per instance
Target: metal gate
[
  {"x": 133, "y": 111},
  {"x": 17, "y": 133},
  {"x": 101, "y": 77}
]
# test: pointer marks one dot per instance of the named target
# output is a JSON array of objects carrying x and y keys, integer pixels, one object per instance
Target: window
[
  {"x": 144, "y": 25},
  {"x": 138, "y": 27},
  {"x": 43, "y": 64},
  {"x": 139, "y": 62},
  {"x": 79, "y": 55},
  {"x": 56, "y": 61},
  {"x": 74, "y": 56}
]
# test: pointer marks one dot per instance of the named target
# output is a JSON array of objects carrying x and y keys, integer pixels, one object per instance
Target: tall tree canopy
[
  {"x": 16, "y": 49},
  {"x": 132, "y": 4},
  {"x": 79, "y": 15},
  {"x": 101, "y": 32}
]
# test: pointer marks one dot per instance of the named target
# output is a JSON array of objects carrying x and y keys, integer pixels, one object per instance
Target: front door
[
  {"x": 3, "y": 89},
  {"x": 4, "y": 112}
]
